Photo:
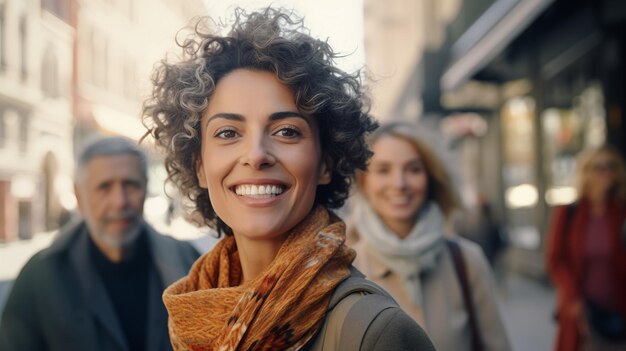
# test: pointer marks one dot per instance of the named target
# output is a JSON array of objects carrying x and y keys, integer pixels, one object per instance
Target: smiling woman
[
  {"x": 264, "y": 134},
  {"x": 443, "y": 283}
]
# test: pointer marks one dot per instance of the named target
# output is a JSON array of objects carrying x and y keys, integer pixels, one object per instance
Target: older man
[{"x": 99, "y": 285}]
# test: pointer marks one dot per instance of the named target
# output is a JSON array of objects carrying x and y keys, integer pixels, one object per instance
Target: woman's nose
[
  {"x": 257, "y": 154},
  {"x": 399, "y": 180}
]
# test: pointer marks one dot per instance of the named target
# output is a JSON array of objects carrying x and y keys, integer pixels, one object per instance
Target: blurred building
[
  {"x": 69, "y": 69},
  {"x": 520, "y": 87},
  {"x": 117, "y": 44},
  {"x": 35, "y": 115}
]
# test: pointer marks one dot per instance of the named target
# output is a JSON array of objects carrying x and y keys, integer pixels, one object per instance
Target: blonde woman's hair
[
  {"x": 585, "y": 161},
  {"x": 440, "y": 186}
]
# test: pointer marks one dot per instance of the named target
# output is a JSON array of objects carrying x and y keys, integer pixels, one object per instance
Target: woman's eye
[
  {"x": 382, "y": 171},
  {"x": 288, "y": 132},
  {"x": 226, "y": 134},
  {"x": 415, "y": 170}
]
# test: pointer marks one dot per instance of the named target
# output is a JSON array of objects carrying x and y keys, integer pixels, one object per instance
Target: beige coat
[{"x": 446, "y": 320}]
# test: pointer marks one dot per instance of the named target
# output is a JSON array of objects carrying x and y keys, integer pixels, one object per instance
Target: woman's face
[
  {"x": 396, "y": 183},
  {"x": 601, "y": 173},
  {"x": 260, "y": 159}
]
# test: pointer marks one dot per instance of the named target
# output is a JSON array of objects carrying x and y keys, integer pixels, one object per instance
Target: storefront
[{"x": 558, "y": 70}]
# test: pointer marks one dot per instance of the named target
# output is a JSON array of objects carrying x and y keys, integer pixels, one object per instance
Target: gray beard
[{"x": 126, "y": 240}]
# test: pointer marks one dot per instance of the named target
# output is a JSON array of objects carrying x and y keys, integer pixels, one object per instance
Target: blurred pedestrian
[
  {"x": 444, "y": 283},
  {"x": 586, "y": 257},
  {"x": 481, "y": 225},
  {"x": 99, "y": 285},
  {"x": 264, "y": 133}
]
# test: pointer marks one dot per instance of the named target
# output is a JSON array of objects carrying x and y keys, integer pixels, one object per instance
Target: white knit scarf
[{"x": 409, "y": 257}]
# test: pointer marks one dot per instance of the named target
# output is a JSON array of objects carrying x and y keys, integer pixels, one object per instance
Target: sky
[{"x": 339, "y": 21}]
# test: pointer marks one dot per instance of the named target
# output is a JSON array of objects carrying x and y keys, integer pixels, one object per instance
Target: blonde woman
[
  {"x": 587, "y": 256},
  {"x": 445, "y": 284}
]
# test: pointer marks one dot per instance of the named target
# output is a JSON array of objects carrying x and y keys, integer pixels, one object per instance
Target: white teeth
[{"x": 255, "y": 190}]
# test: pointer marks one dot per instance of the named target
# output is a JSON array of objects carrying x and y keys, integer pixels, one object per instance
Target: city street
[
  {"x": 494, "y": 117},
  {"x": 527, "y": 308}
]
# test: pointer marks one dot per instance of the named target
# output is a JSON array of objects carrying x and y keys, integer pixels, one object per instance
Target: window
[
  {"x": 91, "y": 57},
  {"x": 131, "y": 10},
  {"x": 23, "y": 48},
  {"x": 24, "y": 128},
  {"x": 59, "y": 8},
  {"x": 100, "y": 52},
  {"x": 2, "y": 37},
  {"x": 3, "y": 129},
  {"x": 50, "y": 74}
]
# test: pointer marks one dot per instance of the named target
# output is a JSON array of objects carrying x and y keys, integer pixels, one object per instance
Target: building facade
[
  {"x": 35, "y": 115},
  {"x": 117, "y": 44},
  {"x": 70, "y": 69}
]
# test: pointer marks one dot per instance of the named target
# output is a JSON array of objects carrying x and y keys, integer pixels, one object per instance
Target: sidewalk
[
  {"x": 14, "y": 255},
  {"x": 527, "y": 308}
]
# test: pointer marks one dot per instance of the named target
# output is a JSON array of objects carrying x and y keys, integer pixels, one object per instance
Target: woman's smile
[{"x": 259, "y": 193}]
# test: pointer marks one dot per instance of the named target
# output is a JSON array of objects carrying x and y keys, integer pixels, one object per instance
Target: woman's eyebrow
[
  {"x": 273, "y": 117},
  {"x": 287, "y": 114},
  {"x": 226, "y": 115}
]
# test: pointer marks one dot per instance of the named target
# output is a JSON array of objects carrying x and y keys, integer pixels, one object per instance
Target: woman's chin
[{"x": 260, "y": 232}]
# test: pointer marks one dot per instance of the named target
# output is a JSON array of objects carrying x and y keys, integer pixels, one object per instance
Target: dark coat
[
  {"x": 362, "y": 316},
  {"x": 565, "y": 263},
  {"x": 59, "y": 303}
]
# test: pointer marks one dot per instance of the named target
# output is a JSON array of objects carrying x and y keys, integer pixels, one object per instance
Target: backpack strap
[
  {"x": 461, "y": 272},
  {"x": 360, "y": 317},
  {"x": 355, "y": 303}
]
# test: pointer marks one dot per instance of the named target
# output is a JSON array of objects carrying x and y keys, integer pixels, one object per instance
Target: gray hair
[{"x": 107, "y": 146}]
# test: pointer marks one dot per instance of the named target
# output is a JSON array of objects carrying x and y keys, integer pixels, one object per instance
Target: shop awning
[{"x": 489, "y": 36}]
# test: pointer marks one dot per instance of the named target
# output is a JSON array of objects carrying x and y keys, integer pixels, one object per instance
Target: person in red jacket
[{"x": 587, "y": 256}]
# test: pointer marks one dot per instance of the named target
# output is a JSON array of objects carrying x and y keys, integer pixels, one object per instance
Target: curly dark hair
[{"x": 270, "y": 40}]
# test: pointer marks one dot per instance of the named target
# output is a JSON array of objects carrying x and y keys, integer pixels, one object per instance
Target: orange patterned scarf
[{"x": 279, "y": 310}]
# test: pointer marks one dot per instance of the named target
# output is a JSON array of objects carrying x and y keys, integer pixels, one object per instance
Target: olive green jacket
[{"x": 362, "y": 316}]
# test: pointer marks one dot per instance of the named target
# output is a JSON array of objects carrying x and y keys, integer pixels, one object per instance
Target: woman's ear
[
  {"x": 325, "y": 172},
  {"x": 200, "y": 173},
  {"x": 360, "y": 179}
]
